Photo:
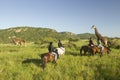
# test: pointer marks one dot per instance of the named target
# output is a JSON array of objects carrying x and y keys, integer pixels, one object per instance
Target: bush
[{"x": 115, "y": 43}]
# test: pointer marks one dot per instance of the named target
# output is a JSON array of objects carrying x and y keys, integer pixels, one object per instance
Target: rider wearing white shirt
[{"x": 100, "y": 46}]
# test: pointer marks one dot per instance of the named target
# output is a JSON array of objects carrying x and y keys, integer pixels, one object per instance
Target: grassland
[{"x": 24, "y": 63}]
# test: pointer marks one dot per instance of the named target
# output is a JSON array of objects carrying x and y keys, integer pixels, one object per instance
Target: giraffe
[
  {"x": 99, "y": 36},
  {"x": 18, "y": 41}
]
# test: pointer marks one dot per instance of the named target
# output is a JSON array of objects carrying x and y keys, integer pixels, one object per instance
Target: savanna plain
[{"x": 24, "y": 63}]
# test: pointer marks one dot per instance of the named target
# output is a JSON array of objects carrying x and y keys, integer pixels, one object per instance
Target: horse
[
  {"x": 95, "y": 49},
  {"x": 84, "y": 48},
  {"x": 60, "y": 51},
  {"x": 47, "y": 57}
]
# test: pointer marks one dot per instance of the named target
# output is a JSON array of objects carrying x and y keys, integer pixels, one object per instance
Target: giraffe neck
[
  {"x": 100, "y": 37},
  {"x": 96, "y": 32}
]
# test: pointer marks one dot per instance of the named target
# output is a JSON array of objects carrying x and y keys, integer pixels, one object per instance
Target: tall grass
[{"x": 24, "y": 63}]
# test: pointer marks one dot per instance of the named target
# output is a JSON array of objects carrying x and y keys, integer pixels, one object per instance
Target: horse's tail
[{"x": 43, "y": 58}]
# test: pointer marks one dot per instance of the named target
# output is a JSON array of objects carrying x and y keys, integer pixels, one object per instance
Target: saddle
[{"x": 51, "y": 54}]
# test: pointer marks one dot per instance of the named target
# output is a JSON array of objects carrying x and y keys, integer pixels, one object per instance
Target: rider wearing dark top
[
  {"x": 50, "y": 47},
  {"x": 91, "y": 42},
  {"x": 60, "y": 44},
  {"x": 51, "y": 50}
]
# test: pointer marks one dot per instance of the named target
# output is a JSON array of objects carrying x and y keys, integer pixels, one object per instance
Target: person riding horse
[
  {"x": 91, "y": 42},
  {"x": 60, "y": 49},
  {"x": 51, "y": 50},
  {"x": 60, "y": 44},
  {"x": 100, "y": 46}
]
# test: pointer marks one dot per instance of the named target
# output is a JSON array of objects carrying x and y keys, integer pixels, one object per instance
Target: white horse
[{"x": 60, "y": 51}]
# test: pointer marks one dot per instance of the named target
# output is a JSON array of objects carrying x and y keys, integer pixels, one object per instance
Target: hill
[
  {"x": 35, "y": 34},
  {"x": 86, "y": 35}
]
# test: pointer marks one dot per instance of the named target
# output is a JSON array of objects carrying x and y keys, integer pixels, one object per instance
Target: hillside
[
  {"x": 36, "y": 34},
  {"x": 86, "y": 35}
]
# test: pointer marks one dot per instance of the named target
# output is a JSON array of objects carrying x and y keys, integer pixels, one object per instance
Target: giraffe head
[{"x": 93, "y": 27}]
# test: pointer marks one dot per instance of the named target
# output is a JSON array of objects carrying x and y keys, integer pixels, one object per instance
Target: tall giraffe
[{"x": 99, "y": 36}]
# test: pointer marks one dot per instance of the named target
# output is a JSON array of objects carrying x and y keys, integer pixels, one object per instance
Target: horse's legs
[
  {"x": 44, "y": 61},
  {"x": 89, "y": 53},
  {"x": 101, "y": 54},
  {"x": 92, "y": 52},
  {"x": 81, "y": 51},
  {"x": 43, "y": 64},
  {"x": 58, "y": 56},
  {"x": 84, "y": 52},
  {"x": 55, "y": 58},
  {"x": 108, "y": 50}
]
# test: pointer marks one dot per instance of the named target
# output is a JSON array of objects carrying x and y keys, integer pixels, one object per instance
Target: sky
[{"x": 76, "y": 16}]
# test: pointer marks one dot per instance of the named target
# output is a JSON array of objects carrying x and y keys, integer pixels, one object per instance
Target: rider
[
  {"x": 91, "y": 42},
  {"x": 60, "y": 44},
  {"x": 100, "y": 46},
  {"x": 51, "y": 50}
]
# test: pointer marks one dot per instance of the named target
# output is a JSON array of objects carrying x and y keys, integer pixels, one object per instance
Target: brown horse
[
  {"x": 47, "y": 57},
  {"x": 84, "y": 48},
  {"x": 95, "y": 49}
]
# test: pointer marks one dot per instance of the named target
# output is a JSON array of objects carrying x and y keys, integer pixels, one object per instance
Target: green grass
[{"x": 24, "y": 63}]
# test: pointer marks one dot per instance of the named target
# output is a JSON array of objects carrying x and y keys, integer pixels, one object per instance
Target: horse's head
[
  {"x": 93, "y": 27},
  {"x": 56, "y": 50}
]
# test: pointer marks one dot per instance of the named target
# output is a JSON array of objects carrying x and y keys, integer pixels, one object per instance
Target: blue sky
[{"x": 75, "y": 16}]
